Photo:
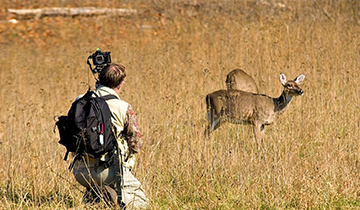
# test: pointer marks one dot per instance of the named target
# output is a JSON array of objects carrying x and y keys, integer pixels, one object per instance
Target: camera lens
[{"x": 99, "y": 59}]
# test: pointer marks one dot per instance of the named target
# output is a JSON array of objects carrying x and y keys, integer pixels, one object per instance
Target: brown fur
[
  {"x": 238, "y": 79},
  {"x": 240, "y": 107}
]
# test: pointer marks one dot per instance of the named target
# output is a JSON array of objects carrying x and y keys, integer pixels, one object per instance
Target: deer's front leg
[{"x": 258, "y": 129}]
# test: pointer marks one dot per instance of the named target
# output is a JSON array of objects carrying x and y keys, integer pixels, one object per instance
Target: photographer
[{"x": 123, "y": 119}]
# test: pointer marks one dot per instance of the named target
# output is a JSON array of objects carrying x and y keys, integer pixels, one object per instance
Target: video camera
[{"x": 99, "y": 60}]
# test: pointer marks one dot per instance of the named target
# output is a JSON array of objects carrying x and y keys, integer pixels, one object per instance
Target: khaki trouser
[{"x": 94, "y": 174}]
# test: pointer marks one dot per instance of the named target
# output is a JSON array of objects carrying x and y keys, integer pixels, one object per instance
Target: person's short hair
[{"x": 112, "y": 75}]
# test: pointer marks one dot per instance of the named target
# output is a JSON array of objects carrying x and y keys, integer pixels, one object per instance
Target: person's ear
[
  {"x": 121, "y": 84},
  {"x": 117, "y": 89}
]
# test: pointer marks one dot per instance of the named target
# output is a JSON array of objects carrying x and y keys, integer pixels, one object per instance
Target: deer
[
  {"x": 238, "y": 79},
  {"x": 241, "y": 107}
]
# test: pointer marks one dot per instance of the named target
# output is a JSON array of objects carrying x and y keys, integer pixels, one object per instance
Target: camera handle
[{"x": 93, "y": 70}]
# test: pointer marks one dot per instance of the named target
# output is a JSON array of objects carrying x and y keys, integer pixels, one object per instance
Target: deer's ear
[
  {"x": 283, "y": 78},
  {"x": 299, "y": 79}
]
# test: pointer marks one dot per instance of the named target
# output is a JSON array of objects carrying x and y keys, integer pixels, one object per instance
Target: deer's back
[{"x": 238, "y": 79}]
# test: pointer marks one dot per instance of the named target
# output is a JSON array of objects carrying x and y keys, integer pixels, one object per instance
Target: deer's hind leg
[{"x": 214, "y": 122}]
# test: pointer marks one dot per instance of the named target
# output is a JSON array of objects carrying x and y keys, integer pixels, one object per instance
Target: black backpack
[{"x": 87, "y": 128}]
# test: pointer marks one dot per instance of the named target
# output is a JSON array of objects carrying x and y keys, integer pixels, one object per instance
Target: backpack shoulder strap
[{"x": 108, "y": 97}]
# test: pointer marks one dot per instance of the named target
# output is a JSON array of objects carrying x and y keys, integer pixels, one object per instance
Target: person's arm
[{"x": 131, "y": 131}]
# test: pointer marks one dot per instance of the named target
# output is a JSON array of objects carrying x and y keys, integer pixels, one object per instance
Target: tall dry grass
[{"x": 176, "y": 52}]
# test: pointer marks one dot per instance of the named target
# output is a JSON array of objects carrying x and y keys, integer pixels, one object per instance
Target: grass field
[{"x": 175, "y": 53}]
